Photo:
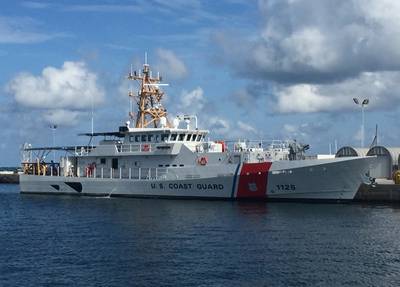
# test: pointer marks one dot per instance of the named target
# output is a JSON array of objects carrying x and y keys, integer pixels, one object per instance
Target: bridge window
[
  {"x": 194, "y": 137},
  {"x": 189, "y": 137},
  {"x": 103, "y": 161},
  {"x": 137, "y": 138},
  {"x": 131, "y": 138},
  {"x": 173, "y": 137},
  {"x": 150, "y": 138},
  {"x": 181, "y": 137},
  {"x": 164, "y": 137},
  {"x": 199, "y": 138},
  {"x": 157, "y": 138},
  {"x": 144, "y": 138}
]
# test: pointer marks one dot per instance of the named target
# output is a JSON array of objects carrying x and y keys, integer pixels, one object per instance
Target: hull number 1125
[{"x": 286, "y": 187}]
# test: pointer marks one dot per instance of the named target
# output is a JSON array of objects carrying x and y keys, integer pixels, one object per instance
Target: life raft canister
[
  {"x": 145, "y": 147},
  {"x": 223, "y": 145},
  {"x": 203, "y": 160}
]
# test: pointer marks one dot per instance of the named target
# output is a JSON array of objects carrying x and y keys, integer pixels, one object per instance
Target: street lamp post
[{"x": 363, "y": 104}]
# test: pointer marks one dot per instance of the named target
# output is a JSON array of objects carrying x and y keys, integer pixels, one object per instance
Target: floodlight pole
[
  {"x": 362, "y": 104},
  {"x": 362, "y": 125},
  {"x": 53, "y": 131}
]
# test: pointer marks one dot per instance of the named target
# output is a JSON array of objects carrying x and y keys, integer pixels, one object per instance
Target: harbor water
[{"x": 82, "y": 241}]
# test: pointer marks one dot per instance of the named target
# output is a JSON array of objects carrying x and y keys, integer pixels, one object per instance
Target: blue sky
[{"x": 249, "y": 69}]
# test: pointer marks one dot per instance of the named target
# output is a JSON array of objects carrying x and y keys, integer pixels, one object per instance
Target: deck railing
[
  {"x": 138, "y": 173},
  {"x": 127, "y": 148}
]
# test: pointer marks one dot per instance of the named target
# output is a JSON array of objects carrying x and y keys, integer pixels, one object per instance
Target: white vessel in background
[{"x": 152, "y": 156}]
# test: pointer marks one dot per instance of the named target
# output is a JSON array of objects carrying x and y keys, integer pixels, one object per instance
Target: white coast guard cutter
[{"x": 158, "y": 158}]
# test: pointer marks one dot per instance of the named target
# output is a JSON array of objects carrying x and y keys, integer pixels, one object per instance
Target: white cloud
[
  {"x": 217, "y": 125},
  {"x": 379, "y": 87},
  {"x": 35, "y": 5},
  {"x": 104, "y": 8},
  {"x": 61, "y": 94},
  {"x": 72, "y": 86},
  {"x": 192, "y": 101},
  {"x": 313, "y": 41},
  {"x": 170, "y": 65},
  {"x": 62, "y": 117},
  {"x": 289, "y": 128},
  {"x": 21, "y": 30},
  {"x": 246, "y": 127}
]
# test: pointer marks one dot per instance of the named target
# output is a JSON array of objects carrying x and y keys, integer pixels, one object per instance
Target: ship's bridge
[{"x": 168, "y": 135}]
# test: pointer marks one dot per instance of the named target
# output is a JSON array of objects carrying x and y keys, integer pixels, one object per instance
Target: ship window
[
  {"x": 167, "y": 165},
  {"x": 103, "y": 161},
  {"x": 174, "y": 165},
  {"x": 173, "y": 137},
  {"x": 164, "y": 137},
  {"x": 144, "y": 138},
  {"x": 181, "y": 165},
  {"x": 194, "y": 137},
  {"x": 157, "y": 138},
  {"x": 160, "y": 165},
  {"x": 137, "y": 138},
  {"x": 181, "y": 137},
  {"x": 131, "y": 138},
  {"x": 150, "y": 138},
  {"x": 189, "y": 136},
  {"x": 199, "y": 138}
]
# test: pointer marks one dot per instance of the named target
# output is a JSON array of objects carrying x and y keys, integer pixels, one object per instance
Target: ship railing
[
  {"x": 128, "y": 148},
  {"x": 54, "y": 169},
  {"x": 42, "y": 168},
  {"x": 83, "y": 150},
  {"x": 139, "y": 173}
]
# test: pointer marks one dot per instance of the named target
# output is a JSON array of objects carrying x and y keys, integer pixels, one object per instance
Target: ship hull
[{"x": 281, "y": 180}]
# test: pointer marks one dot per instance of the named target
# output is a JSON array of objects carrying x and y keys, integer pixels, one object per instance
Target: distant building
[{"x": 387, "y": 159}]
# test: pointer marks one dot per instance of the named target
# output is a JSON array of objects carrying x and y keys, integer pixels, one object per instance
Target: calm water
[{"x": 72, "y": 241}]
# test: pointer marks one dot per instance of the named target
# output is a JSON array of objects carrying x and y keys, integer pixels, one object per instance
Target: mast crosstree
[{"x": 150, "y": 109}]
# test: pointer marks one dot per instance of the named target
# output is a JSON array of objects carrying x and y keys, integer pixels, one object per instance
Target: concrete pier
[
  {"x": 384, "y": 191},
  {"x": 9, "y": 178}
]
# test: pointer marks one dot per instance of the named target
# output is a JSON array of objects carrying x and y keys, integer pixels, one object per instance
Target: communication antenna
[{"x": 92, "y": 114}]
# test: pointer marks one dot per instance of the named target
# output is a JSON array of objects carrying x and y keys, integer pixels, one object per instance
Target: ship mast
[{"x": 150, "y": 110}]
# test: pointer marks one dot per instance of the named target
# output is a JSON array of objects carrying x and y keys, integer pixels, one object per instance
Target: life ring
[
  {"x": 203, "y": 160},
  {"x": 146, "y": 147}
]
